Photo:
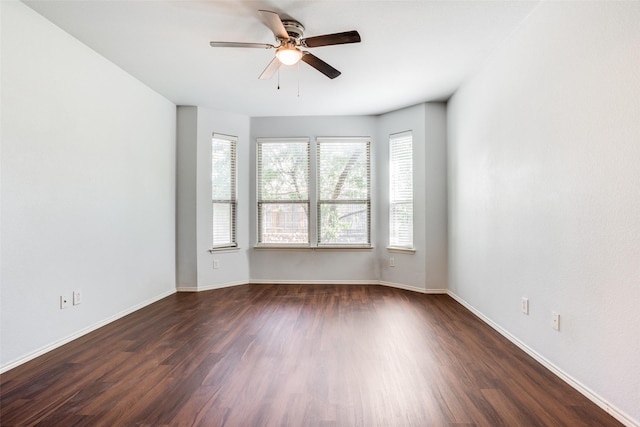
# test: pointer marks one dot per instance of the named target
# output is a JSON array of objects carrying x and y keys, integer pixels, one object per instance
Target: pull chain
[
  {"x": 298, "y": 72},
  {"x": 278, "y": 78}
]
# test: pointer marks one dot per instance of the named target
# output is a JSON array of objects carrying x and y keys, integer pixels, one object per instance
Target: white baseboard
[
  {"x": 313, "y": 282},
  {"x": 209, "y": 287},
  {"x": 76, "y": 335},
  {"x": 184, "y": 288},
  {"x": 586, "y": 391},
  {"x": 413, "y": 288}
]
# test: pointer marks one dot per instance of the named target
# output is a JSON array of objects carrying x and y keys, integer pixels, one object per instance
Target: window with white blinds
[
  {"x": 344, "y": 191},
  {"x": 283, "y": 196},
  {"x": 223, "y": 190},
  {"x": 401, "y": 190}
]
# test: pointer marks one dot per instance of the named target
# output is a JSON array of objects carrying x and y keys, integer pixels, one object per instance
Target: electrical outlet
[
  {"x": 216, "y": 263},
  {"x": 525, "y": 305},
  {"x": 77, "y": 297},
  {"x": 64, "y": 302},
  {"x": 392, "y": 262},
  {"x": 556, "y": 320}
]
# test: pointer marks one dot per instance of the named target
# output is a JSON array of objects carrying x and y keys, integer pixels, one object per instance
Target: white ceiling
[{"x": 411, "y": 51}]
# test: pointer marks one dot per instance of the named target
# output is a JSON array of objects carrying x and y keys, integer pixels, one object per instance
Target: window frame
[
  {"x": 313, "y": 205},
  {"x": 319, "y": 202},
  {"x": 395, "y": 200},
  {"x": 306, "y": 203},
  {"x": 232, "y": 201}
]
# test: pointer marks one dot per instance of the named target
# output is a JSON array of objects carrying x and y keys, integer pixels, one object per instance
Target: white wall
[
  {"x": 544, "y": 190},
  {"x": 426, "y": 269},
  {"x": 88, "y": 183},
  {"x": 233, "y": 265},
  {"x": 410, "y": 270},
  {"x": 196, "y": 126},
  {"x": 435, "y": 194},
  {"x": 186, "y": 199},
  {"x": 273, "y": 265}
]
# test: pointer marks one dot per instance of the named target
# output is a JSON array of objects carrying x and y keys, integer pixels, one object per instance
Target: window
[
  {"x": 223, "y": 190},
  {"x": 401, "y": 190},
  {"x": 283, "y": 196},
  {"x": 307, "y": 203},
  {"x": 344, "y": 198}
]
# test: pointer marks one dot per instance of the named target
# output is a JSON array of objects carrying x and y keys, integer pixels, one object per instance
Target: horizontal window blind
[
  {"x": 344, "y": 191},
  {"x": 283, "y": 196},
  {"x": 401, "y": 190},
  {"x": 223, "y": 190}
]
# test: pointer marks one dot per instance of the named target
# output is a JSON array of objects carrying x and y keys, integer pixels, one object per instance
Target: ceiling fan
[{"x": 288, "y": 34}]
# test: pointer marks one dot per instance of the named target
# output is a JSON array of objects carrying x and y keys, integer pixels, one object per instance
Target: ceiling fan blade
[
  {"x": 320, "y": 65},
  {"x": 331, "y": 39},
  {"x": 273, "y": 21},
  {"x": 241, "y": 44},
  {"x": 270, "y": 70}
]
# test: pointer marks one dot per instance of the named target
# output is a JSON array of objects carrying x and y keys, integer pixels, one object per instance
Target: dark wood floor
[{"x": 263, "y": 355}]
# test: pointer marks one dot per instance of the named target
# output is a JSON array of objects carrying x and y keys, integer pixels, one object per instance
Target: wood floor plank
[{"x": 293, "y": 355}]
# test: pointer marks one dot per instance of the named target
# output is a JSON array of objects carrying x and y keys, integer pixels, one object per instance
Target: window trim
[
  {"x": 316, "y": 248},
  {"x": 225, "y": 249},
  {"x": 400, "y": 250}
]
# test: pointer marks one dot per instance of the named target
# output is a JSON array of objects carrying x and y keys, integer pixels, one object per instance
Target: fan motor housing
[{"x": 294, "y": 28}]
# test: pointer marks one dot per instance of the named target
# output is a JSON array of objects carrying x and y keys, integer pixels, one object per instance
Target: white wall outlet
[
  {"x": 77, "y": 297},
  {"x": 216, "y": 263},
  {"x": 392, "y": 262},
  {"x": 64, "y": 302},
  {"x": 525, "y": 305},
  {"x": 556, "y": 320}
]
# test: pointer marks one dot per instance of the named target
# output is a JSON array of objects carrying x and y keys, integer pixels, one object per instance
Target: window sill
[
  {"x": 401, "y": 250},
  {"x": 315, "y": 248},
  {"x": 225, "y": 249}
]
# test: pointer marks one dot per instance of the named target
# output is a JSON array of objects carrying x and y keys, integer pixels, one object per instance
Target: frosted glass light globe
[{"x": 288, "y": 55}]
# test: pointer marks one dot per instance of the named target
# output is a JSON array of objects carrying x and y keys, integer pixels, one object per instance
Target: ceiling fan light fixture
[
  {"x": 289, "y": 36},
  {"x": 288, "y": 55}
]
